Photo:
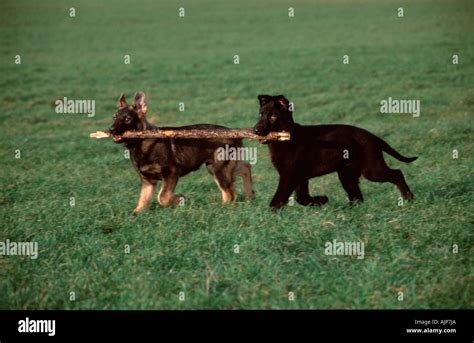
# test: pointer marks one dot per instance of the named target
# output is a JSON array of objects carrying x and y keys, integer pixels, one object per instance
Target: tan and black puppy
[
  {"x": 169, "y": 159},
  {"x": 316, "y": 150}
]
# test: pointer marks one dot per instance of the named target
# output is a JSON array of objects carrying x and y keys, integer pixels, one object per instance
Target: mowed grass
[{"x": 190, "y": 249}]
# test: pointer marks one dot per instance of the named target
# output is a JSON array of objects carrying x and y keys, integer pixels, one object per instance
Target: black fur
[{"x": 317, "y": 150}]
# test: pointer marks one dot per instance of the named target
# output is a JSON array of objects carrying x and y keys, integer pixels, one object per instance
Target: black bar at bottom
[{"x": 406, "y": 325}]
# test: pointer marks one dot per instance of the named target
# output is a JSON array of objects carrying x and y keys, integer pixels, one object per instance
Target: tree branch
[{"x": 197, "y": 134}]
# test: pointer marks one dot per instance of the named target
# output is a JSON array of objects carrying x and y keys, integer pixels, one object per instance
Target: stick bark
[{"x": 197, "y": 134}]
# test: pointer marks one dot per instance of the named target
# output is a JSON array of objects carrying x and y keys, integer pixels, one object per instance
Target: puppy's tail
[{"x": 391, "y": 151}]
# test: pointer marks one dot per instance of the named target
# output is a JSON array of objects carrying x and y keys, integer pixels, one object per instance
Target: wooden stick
[{"x": 197, "y": 134}]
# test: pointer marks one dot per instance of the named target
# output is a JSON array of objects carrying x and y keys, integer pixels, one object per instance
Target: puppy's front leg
[
  {"x": 286, "y": 186},
  {"x": 146, "y": 194},
  {"x": 166, "y": 196},
  {"x": 303, "y": 197}
]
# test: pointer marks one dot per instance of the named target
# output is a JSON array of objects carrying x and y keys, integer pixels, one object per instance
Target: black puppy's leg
[
  {"x": 396, "y": 177},
  {"x": 286, "y": 186},
  {"x": 380, "y": 172},
  {"x": 399, "y": 180},
  {"x": 350, "y": 182},
  {"x": 303, "y": 197},
  {"x": 302, "y": 194}
]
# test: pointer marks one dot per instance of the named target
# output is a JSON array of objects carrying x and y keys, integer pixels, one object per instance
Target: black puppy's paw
[
  {"x": 355, "y": 202},
  {"x": 275, "y": 206},
  {"x": 320, "y": 200}
]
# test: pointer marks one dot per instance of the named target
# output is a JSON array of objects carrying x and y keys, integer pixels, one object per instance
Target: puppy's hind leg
[
  {"x": 397, "y": 178},
  {"x": 378, "y": 171},
  {"x": 244, "y": 170},
  {"x": 223, "y": 174}
]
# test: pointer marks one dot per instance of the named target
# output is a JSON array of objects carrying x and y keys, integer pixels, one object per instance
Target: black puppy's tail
[{"x": 391, "y": 151}]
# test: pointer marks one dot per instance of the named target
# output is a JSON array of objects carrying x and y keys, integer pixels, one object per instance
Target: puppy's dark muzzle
[
  {"x": 260, "y": 130},
  {"x": 116, "y": 136}
]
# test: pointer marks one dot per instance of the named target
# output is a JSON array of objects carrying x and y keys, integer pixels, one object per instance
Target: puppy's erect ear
[
  {"x": 264, "y": 99},
  {"x": 139, "y": 104},
  {"x": 283, "y": 101},
  {"x": 122, "y": 102}
]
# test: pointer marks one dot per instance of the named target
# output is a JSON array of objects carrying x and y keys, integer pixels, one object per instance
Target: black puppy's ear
[
  {"x": 122, "y": 103},
  {"x": 139, "y": 104},
  {"x": 264, "y": 99},
  {"x": 283, "y": 101}
]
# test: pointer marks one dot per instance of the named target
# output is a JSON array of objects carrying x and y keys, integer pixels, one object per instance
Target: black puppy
[
  {"x": 321, "y": 149},
  {"x": 168, "y": 159}
]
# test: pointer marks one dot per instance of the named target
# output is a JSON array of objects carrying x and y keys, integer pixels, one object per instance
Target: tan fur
[
  {"x": 228, "y": 195},
  {"x": 166, "y": 197},
  {"x": 146, "y": 195},
  {"x": 168, "y": 160},
  {"x": 244, "y": 170}
]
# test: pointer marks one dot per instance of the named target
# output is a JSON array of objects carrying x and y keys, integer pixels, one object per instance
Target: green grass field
[{"x": 190, "y": 249}]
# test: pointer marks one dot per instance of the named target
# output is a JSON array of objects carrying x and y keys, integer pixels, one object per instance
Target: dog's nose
[{"x": 257, "y": 130}]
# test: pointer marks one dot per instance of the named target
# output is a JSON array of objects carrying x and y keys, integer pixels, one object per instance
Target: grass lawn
[{"x": 190, "y": 249}]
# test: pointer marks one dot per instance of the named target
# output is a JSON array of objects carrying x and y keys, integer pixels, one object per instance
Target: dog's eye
[
  {"x": 128, "y": 120},
  {"x": 273, "y": 117}
]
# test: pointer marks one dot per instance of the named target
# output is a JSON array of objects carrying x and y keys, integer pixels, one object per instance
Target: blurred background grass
[{"x": 190, "y": 60}]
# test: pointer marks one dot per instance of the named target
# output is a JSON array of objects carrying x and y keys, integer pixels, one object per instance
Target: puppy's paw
[
  {"x": 137, "y": 210},
  {"x": 251, "y": 195},
  {"x": 320, "y": 200},
  {"x": 276, "y": 206},
  {"x": 355, "y": 202}
]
